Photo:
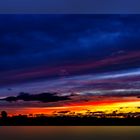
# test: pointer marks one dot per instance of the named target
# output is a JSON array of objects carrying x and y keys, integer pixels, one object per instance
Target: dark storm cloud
[
  {"x": 54, "y": 99},
  {"x": 42, "y": 97}
]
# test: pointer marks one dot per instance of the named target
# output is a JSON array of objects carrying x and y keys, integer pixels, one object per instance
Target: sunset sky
[{"x": 80, "y": 62}]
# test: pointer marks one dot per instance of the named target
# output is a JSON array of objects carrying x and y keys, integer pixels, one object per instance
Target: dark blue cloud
[{"x": 34, "y": 40}]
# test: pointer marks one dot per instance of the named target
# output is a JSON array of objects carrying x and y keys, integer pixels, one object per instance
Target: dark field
[{"x": 70, "y": 133}]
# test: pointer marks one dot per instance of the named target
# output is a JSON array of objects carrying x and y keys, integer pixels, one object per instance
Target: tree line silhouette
[{"x": 62, "y": 120}]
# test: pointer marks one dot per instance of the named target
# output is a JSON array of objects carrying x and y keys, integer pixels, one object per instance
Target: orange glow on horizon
[{"x": 127, "y": 106}]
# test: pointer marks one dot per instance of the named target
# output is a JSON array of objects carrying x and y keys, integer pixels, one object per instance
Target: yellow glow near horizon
[{"x": 123, "y": 107}]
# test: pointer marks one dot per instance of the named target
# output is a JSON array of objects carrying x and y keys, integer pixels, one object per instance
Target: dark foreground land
[{"x": 68, "y": 121}]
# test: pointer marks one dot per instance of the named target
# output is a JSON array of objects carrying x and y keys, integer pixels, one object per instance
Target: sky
[
  {"x": 75, "y": 59},
  {"x": 70, "y": 6}
]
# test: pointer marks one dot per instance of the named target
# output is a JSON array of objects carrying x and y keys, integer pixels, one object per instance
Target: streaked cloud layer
[{"x": 81, "y": 56}]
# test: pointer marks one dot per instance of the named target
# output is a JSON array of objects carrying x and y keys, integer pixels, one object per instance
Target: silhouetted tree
[{"x": 4, "y": 114}]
